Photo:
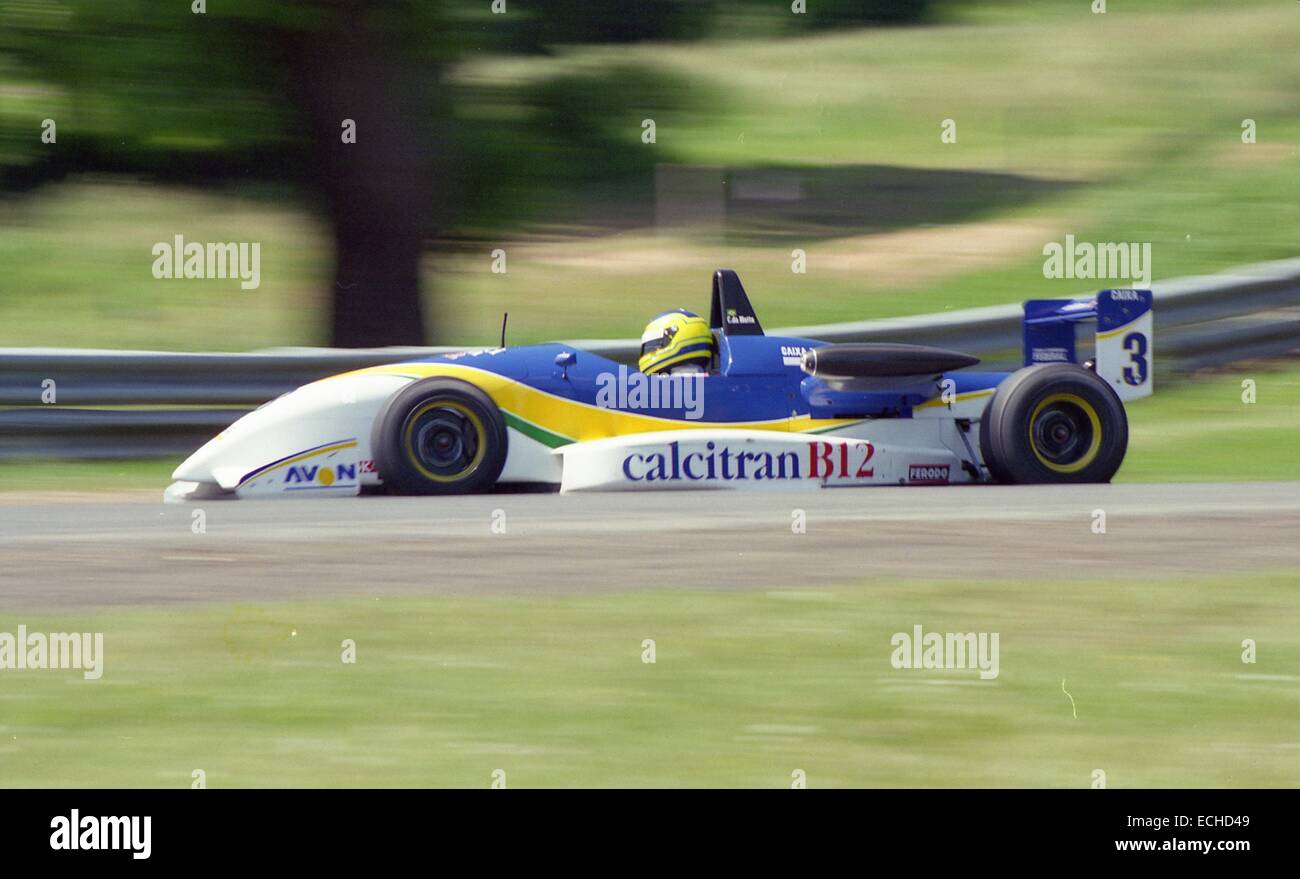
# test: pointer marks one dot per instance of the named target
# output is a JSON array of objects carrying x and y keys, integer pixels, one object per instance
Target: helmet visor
[{"x": 654, "y": 345}]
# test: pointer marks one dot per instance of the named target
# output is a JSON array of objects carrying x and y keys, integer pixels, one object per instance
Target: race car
[{"x": 768, "y": 412}]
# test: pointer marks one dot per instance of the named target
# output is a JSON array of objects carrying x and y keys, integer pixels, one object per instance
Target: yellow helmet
[{"x": 673, "y": 338}]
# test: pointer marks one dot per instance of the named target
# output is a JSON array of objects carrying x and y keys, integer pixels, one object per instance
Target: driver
[{"x": 676, "y": 342}]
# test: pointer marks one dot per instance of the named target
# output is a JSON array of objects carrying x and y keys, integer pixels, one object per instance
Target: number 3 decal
[{"x": 1136, "y": 346}]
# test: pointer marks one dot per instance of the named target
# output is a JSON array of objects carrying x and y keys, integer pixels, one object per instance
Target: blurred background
[{"x": 617, "y": 153}]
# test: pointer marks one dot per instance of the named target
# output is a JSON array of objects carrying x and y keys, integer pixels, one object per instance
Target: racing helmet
[{"x": 673, "y": 338}]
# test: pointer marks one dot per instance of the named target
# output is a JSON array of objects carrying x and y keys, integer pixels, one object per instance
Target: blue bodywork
[
  {"x": 1048, "y": 328},
  {"x": 756, "y": 377},
  {"x": 754, "y": 381}
]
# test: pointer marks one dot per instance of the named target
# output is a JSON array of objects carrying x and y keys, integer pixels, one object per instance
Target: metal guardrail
[{"x": 1200, "y": 321}]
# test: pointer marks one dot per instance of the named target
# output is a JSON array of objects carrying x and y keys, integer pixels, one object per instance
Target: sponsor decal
[
  {"x": 1126, "y": 295},
  {"x": 927, "y": 474},
  {"x": 792, "y": 355},
  {"x": 317, "y": 476},
  {"x": 1050, "y": 355},
  {"x": 821, "y": 460},
  {"x": 473, "y": 352},
  {"x": 734, "y": 318},
  {"x": 367, "y": 466}
]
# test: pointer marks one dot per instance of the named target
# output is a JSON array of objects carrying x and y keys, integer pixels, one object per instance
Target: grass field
[
  {"x": 1197, "y": 429},
  {"x": 1200, "y": 430},
  {"x": 1124, "y": 126},
  {"x": 92, "y": 475},
  {"x": 746, "y": 688}
]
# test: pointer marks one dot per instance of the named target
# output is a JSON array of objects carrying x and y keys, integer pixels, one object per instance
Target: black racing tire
[
  {"x": 439, "y": 436},
  {"x": 1053, "y": 423}
]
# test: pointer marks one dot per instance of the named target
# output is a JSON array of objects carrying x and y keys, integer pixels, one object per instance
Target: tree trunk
[
  {"x": 378, "y": 190},
  {"x": 376, "y": 294}
]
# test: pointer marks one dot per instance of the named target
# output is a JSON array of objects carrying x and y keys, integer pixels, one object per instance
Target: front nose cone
[{"x": 198, "y": 466}]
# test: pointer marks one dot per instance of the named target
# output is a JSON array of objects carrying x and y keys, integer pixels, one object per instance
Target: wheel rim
[
  {"x": 444, "y": 440},
  {"x": 1065, "y": 433}
]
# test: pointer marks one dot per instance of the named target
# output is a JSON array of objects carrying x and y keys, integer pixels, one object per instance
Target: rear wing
[{"x": 1123, "y": 336}]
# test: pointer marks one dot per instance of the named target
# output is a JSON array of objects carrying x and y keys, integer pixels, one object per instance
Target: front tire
[
  {"x": 1054, "y": 423},
  {"x": 439, "y": 436}
]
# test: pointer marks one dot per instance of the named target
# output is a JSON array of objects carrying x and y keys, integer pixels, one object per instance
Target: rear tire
[
  {"x": 439, "y": 436},
  {"x": 1054, "y": 423}
]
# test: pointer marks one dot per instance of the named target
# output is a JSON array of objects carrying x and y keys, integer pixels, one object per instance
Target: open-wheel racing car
[{"x": 770, "y": 412}]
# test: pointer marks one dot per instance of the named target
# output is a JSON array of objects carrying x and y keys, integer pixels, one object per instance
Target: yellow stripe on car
[
  {"x": 1115, "y": 332},
  {"x": 581, "y": 421},
  {"x": 270, "y": 468}
]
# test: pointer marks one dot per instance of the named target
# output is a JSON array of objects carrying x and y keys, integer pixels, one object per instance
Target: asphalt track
[{"x": 88, "y": 553}]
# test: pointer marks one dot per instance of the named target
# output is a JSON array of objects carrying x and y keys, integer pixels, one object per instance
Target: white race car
[{"x": 771, "y": 412}]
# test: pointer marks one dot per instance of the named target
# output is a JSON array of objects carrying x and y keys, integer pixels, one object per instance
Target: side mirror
[{"x": 564, "y": 360}]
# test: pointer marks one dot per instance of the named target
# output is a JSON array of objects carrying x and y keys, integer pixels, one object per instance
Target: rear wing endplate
[{"x": 1124, "y": 349}]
